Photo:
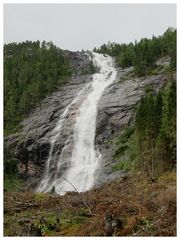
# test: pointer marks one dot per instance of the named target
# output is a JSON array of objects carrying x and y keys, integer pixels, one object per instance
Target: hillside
[
  {"x": 120, "y": 109},
  {"x": 32, "y": 71},
  {"x": 143, "y": 54},
  {"x": 129, "y": 206}
]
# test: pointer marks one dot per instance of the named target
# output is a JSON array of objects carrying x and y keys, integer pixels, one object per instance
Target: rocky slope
[
  {"x": 30, "y": 147},
  {"x": 116, "y": 111}
]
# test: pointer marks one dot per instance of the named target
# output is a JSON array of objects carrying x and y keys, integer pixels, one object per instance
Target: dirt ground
[{"x": 130, "y": 206}]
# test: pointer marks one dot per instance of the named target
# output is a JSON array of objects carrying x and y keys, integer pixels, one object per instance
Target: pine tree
[{"x": 31, "y": 71}]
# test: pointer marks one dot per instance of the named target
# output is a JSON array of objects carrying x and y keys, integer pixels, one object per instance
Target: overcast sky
[{"x": 78, "y": 26}]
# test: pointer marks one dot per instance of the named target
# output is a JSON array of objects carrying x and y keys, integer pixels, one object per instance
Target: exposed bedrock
[
  {"x": 115, "y": 111},
  {"x": 30, "y": 147}
]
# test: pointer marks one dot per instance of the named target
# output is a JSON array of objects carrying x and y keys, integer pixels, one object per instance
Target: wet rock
[
  {"x": 80, "y": 61},
  {"x": 116, "y": 111},
  {"x": 31, "y": 145}
]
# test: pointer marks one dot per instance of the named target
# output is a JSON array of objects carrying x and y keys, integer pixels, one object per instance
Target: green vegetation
[
  {"x": 143, "y": 54},
  {"x": 126, "y": 151},
  {"x": 31, "y": 72},
  {"x": 12, "y": 183},
  {"x": 145, "y": 209},
  {"x": 91, "y": 69},
  {"x": 151, "y": 143},
  {"x": 155, "y": 130},
  {"x": 47, "y": 225}
]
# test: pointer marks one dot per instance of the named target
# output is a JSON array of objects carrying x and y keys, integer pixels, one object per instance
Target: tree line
[
  {"x": 32, "y": 70},
  {"x": 143, "y": 54},
  {"x": 155, "y": 130}
]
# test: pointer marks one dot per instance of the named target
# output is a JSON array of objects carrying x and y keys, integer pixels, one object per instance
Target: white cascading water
[{"x": 84, "y": 158}]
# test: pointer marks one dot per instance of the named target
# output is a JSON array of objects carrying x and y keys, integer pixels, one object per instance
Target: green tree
[{"x": 31, "y": 72}]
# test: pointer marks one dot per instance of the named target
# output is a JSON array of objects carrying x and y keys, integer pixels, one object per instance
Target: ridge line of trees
[
  {"x": 32, "y": 70},
  {"x": 143, "y": 54}
]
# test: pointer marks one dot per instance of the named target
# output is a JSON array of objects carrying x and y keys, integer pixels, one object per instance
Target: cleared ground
[{"x": 130, "y": 206}]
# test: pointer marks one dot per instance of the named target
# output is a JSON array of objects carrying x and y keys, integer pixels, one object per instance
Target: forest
[
  {"x": 143, "y": 54},
  {"x": 154, "y": 130},
  {"x": 32, "y": 70}
]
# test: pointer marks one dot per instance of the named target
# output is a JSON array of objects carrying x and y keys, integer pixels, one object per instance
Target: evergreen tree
[
  {"x": 143, "y": 54},
  {"x": 155, "y": 130},
  {"x": 31, "y": 71}
]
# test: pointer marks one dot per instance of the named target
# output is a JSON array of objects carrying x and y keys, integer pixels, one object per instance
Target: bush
[
  {"x": 11, "y": 167},
  {"x": 12, "y": 183}
]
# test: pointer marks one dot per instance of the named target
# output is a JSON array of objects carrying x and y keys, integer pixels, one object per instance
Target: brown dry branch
[{"x": 80, "y": 197}]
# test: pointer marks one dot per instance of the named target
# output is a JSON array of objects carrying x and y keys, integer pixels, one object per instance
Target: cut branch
[{"x": 80, "y": 197}]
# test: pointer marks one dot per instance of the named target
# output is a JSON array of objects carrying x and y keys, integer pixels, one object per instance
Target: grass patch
[
  {"x": 168, "y": 176},
  {"x": 125, "y": 150},
  {"x": 12, "y": 183},
  {"x": 145, "y": 225},
  {"x": 156, "y": 70},
  {"x": 47, "y": 225},
  {"x": 121, "y": 149},
  {"x": 123, "y": 165},
  {"x": 128, "y": 131},
  {"x": 39, "y": 196}
]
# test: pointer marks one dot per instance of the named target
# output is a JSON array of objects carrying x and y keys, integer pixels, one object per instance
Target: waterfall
[{"x": 78, "y": 160}]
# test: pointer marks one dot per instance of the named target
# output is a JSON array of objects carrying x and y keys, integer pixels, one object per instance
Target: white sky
[{"x": 85, "y": 26}]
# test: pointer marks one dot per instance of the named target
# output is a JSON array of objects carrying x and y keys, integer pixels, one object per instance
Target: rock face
[
  {"x": 80, "y": 62},
  {"x": 116, "y": 110},
  {"x": 32, "y": 144}
]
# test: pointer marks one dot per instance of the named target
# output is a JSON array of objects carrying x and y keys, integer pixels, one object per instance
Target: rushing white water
[{"x": 84, "y": 158}]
